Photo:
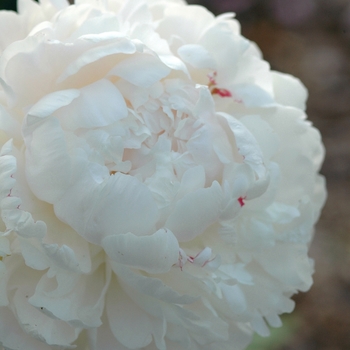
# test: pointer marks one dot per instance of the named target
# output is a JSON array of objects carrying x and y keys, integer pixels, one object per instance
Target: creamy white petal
[
  {"x": 289, "y": 90},
  {"x": 197, "y": 56},
  {"x": 109, "y": 208},
  {"x": 121, "y": 45},
  {"x": 13, "y": 337},
  {"x": 40, "y": 326},
  {"x": 156, "y": 253},
  {"x": 247, "y": 145},
  {"x": 141, "y": 69},
  {"x": 195, "y": 212},
  {"x": 118, "y": 303},
  {"x": 150, "y": 286},
  {"x": 81, "y": 306},
  {"x": 99, "y": 104},
  {"x": 48, "y": 165}
]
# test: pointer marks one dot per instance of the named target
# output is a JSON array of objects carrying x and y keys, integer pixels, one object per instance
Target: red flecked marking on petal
[
  {"x": 221, "y": 92},
  {"x": 212, "y": 81},
  {"x": 241, "y": 201},
  {"x": 190, "y": 259},
  {"x": 180, "y": 260}
]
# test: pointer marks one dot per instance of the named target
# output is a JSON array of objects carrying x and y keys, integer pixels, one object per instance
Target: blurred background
[{"x": 311, "y": 40}]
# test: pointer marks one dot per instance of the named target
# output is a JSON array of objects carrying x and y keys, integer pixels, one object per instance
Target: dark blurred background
[{"x": 311, "y": 40}]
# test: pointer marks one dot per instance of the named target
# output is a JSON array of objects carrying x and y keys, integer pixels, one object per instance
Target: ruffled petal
[
  {"x": 39, "y": 326},
  {"x": 81, "y": 305}
]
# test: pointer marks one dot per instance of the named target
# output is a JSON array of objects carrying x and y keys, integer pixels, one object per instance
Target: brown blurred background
[{"x": 311, "y": 40}]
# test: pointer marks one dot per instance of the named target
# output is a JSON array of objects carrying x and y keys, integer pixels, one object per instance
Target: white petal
[
  {"x": 40, "y": 326},
  {"x": 109, "y": 208},
  {"x": 121, "y": 45},
  {"x": 247, "y": 145},
  {"x": 33, "y": 254},
  {"x": 296, "y": 269},
  {"x": 81, "y": 305},
  {"x": 235, "y": 298},
  {"x": 192, "y": 180},
  {"x": 19, "y": 220},
  {"x": 252, "y": 95},
  {"x": 129, "y": 323},
  {"x": 9, "y": 125},
  {"x": 156, "y": 253},
  {"x": 289, "y": 91},
  {"x": 49, "y": 104},
  {"x": 135, "y": 11},
  {"x": 260, "y": 326},
  {"x": 141, "y": 70},
  {"x": 195, "y": 212},
  {"x": 48, "y": 165},
  {"x": 8, "y": 168},
  {"x": 197, "y": 56},
  {"x": 10, "y": 23},
  {"x": 13, "y": 337},
  {"x": 264, "y": 134},
  {"x": 99, "y": 104},
  {"x": 103, "y": 338},
  {"x": 150, "y": 286}
]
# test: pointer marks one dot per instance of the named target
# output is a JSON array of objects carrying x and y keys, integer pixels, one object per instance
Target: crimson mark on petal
[
  {"x": 221, "y": 92},
  {"x": 241, "y": 201}
]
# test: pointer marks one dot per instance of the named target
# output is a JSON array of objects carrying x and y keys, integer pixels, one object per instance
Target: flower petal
[
  {"x": 195, "y": 212},
  {"x": 12, "y": 335},
  {"x": 156, "y": 253},
  {"x": 109, "y": 208},
  {"x": 289, "y": 91},
  {"x": 99, "y": 104},
  {"x": 124, "y": 317},
  {"x": 197, "y": 56},
  {"x": 81, "y": 305},
  {"x": 141, "y": 69}
]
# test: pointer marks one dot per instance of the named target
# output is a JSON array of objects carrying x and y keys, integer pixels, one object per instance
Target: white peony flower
[{"x": 158, "y": 182}]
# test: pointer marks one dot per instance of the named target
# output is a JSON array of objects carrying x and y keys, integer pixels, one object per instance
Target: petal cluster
[{"x": 158, "y": 182}]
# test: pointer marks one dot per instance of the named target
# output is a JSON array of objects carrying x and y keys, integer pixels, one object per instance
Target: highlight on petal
[
  {"x": 141, "y": 69},
  {"x": 121, "y": 45}
]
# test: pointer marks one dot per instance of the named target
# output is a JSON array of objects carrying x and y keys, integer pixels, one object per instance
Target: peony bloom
[{"x": 158, "y": 182}]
